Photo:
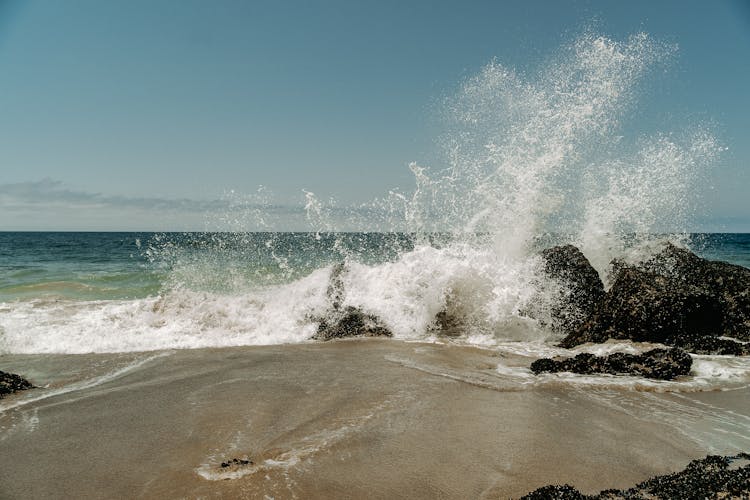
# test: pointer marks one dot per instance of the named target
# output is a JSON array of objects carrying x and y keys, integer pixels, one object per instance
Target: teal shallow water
[
  {"x": 105, "y": 266},
  {"x": 102, "y": 266}
]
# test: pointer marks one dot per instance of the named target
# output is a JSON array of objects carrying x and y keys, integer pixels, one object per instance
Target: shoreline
[{"x": 366, "y": 418}]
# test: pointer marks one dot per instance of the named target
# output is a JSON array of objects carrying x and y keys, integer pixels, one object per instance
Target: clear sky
[{"x": 141, "y": 114}]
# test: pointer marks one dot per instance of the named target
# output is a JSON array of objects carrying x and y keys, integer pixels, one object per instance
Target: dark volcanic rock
[
  {"x": 554, "y": 492},
  {"x": 729, "y": 283},
  {"x": 10, "y": 383},
  {"x": 581, "y": 289},
  {"x": 706, "y": 344},
  {"x": 351, "y": 323},
  {"x": 335, "y": 290},
  {"x": 340, "y": 322},
  {"x": 676, "y": 298},
  {"x": 713, "y": 477},
  {"x": 648, "y": 307},
  {"x": 235, "y": 463},
  {"x": 663, "y": 364}
]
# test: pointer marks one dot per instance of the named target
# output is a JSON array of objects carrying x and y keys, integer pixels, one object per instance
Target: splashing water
[
  {"x": 532, "y": 155},
  {"x": 531, "y": 160}
]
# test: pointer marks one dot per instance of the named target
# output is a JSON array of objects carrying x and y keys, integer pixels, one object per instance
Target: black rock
[
  {"x": 335, "y": 290},
  {"x": 351, "y": 323},
  {"x": 10, "y": 383},
  {"x": 448, "y": 325},
  {"x": 340, "y": 321},
  {"x": 236, "y": 462},
  {"x": 581, "y": 289},
  {"x": 675, "y": 298},
  {"x": 713, "y": 477},
  {"x": 706, "y": 344},
  {"x": 554, "y": 492},
  {"x": 729, "y": 283},
  {"x": 662, "y": 364},
  {"x": 647, "y": 307}
]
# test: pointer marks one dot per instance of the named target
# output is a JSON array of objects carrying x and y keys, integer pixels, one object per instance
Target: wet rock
[
  {"x": 335, "y": 290},
  {"x": 236, "y": 462},
  {"x": 447, "y": 324},
  {"x": 342, "y": 322},
  {"x": 662, "y": 364},
  {"x": 706, "y": 344},
  {"x": 647, "y": 307},
  {"x": 581, "y": 289},
  {"x": 351, "y": 323},
  {"x": 713, "y": 477},
  {"x": 10, "y": 383},
  {"x": 554, "y": 492},
  {"x": 675, "y": 298},
  {"x": 729, "y": 283}
]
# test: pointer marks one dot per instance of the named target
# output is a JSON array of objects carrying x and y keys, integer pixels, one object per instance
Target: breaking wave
[{"x": 530, "y": 159}]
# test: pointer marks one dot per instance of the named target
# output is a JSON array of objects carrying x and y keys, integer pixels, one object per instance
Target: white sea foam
[
  {"x": 39, "y": 395},
  {"x": 301, "y": 449},
  {"x": 407, "y": 294},
  {"x": 708, "y": 372},
  {"x": 179, "y": 319}
]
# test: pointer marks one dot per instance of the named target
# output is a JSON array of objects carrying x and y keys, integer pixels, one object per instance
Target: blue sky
[{"x": 145, "y": 114}]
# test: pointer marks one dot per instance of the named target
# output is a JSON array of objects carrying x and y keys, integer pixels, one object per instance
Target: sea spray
[{"x": 532, "y": 158}]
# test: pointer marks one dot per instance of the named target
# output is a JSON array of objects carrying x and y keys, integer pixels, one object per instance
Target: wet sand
[{"x": 350, "y": 419}]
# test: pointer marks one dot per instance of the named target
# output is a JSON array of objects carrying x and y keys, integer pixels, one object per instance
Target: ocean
[
  {"x": 78, "y": 293},
  {"x": 62, "y": 292}
]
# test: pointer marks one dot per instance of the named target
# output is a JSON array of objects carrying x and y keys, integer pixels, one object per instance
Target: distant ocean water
[{"x": 103, "y": 265}]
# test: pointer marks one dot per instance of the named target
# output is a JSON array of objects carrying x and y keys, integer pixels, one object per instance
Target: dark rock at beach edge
[
  {"x": 730, "y": 283},
  {"x": 10, "y": 383},
  {"x": 342, "y": 322},
  {"x": 351, "y": 322},
  {"x": 661, "y": 364},
  {"x": 647, "y": 307},
  {"x": 674, "y": 298},
  {"x": 236, "y": 463},
  {"x": 712, "y": 477},
  {"x": 706, "y": 344}
]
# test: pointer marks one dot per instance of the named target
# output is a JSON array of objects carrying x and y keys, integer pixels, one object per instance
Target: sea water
[{"x": 105, "y": 292}]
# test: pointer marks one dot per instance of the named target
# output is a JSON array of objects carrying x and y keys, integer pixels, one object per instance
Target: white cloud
[{"x": 49, "y": 205}]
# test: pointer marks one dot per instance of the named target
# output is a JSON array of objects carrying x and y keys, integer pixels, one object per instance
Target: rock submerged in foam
[
  {"x": 342, "y": 322},
  {"x": 351, "y": 323},
  {"x": 711, "y": 477},
  {"x": 674, "y": 298},
  {"x": 236, "y": 463},
  {"x": 662, "y": 364},
  {"x": 706, "y": 344},
  {"x": 10, "y": 383}
]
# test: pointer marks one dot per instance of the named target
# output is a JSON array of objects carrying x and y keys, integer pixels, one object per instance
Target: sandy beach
[{"x": 347, "y": 419}]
